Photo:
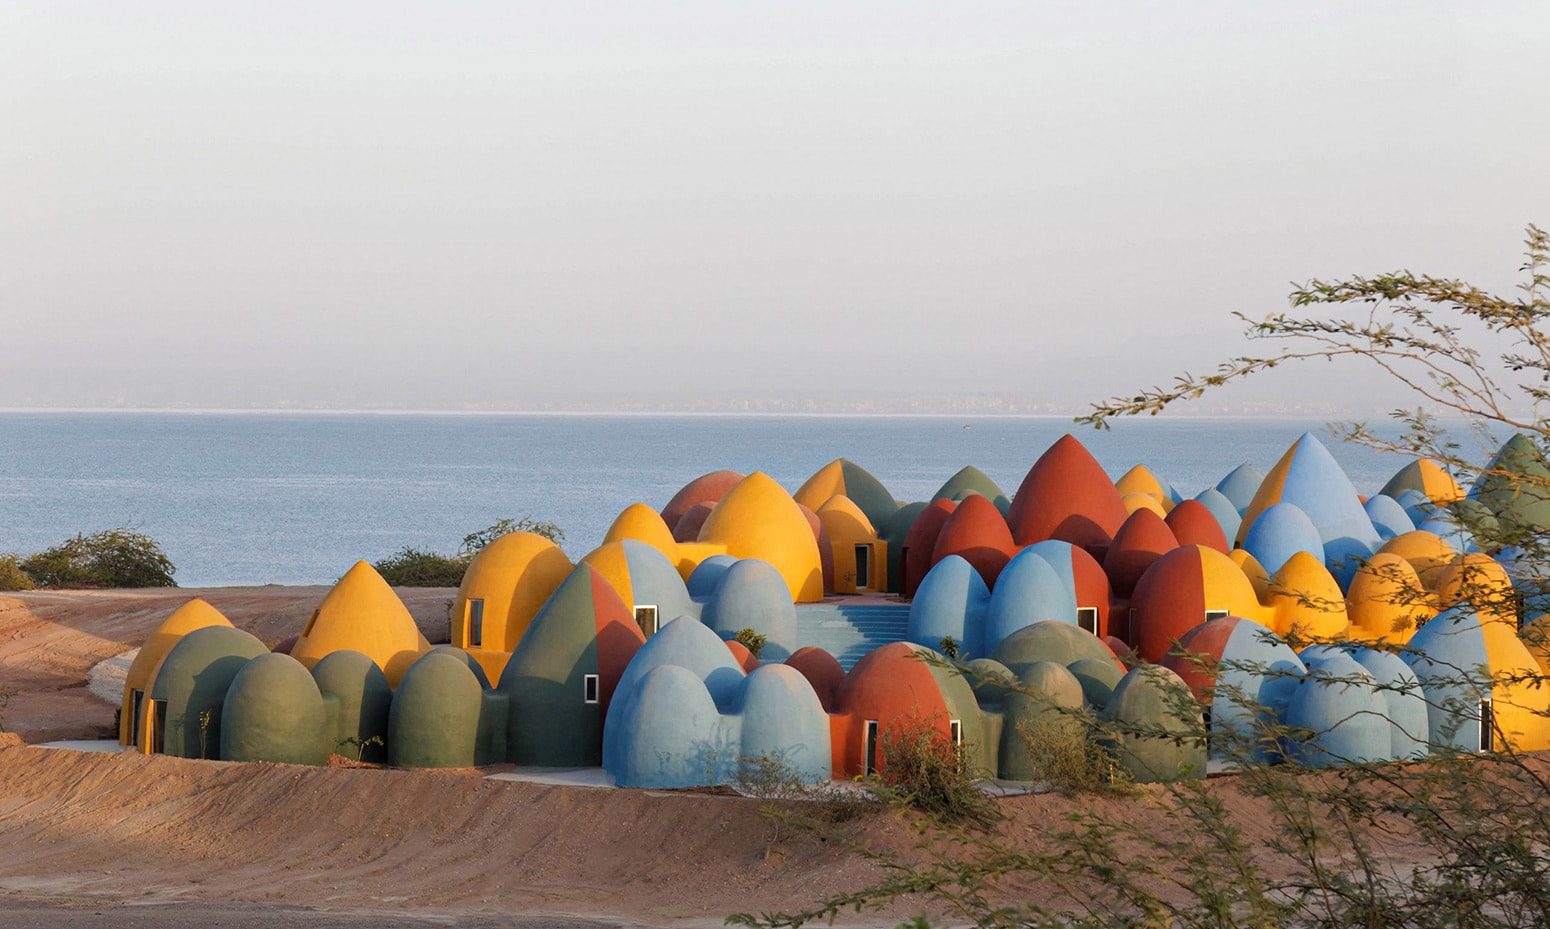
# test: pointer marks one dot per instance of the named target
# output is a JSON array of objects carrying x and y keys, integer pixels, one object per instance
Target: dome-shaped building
[
  {"x": 505, "y": 584},
  {"x": 1067, "y": 496},
  {"x": 363, "y": 614},
  {"x": 195, "y": 614},
  {"x": 758, "y": 519},
  {"x": 562, "y": 675}
]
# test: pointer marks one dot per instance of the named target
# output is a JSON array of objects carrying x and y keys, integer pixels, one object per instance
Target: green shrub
[
  {"x": 411, "y": 567},
  {"x": 1065, "y": 755},
  {"x": 750, "y": 640},
  {"x": 110, "y": 558},
  {"x": 924, "y": 770},
  {"x": 475, "y": 541},
  {"x": 12, "y": 577}
]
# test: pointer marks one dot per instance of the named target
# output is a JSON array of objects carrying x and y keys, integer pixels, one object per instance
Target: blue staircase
[{"x": 849, "y": 631}]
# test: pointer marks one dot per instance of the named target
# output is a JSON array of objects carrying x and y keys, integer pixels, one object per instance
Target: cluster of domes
[{"x": 1382, "y": 625}]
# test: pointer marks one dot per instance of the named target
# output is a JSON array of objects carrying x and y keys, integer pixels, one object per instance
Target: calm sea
[{"x": 276, "y": 498}]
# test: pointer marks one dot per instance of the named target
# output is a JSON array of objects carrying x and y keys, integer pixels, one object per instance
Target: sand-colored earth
[{"x": 186, "y": 843}]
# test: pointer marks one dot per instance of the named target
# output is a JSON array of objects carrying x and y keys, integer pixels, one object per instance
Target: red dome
[
  {"x": 1067, "y": 496},
  {"x": 920, "y": 543},
  {"x": 1193, "y": 524},
  {"x": 1143, "y": 539},
  {"x": 977, "y": 533},
  {"x": 708, "y": 488}
]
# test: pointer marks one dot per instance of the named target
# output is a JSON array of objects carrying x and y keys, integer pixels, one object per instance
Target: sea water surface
[{"x": 296, "y": 498}]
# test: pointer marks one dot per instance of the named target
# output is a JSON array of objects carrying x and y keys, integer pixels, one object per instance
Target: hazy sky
[{"x": 461, "y": 203}]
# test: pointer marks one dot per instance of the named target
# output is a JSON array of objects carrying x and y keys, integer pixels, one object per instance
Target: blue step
[{"x": 850, "y": 631}]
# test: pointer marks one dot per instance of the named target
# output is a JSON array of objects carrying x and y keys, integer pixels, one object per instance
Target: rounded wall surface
[
  {"x": 274, "y": 712},
  {"x": 190, "y": 685},
  {"x": 364, "y": 699},
  {"x": 434, "y": 718},
  {"x": 513, "y": 576},
  {"x": 195, "y": 614},
  {"x": 753, "y": 595}
]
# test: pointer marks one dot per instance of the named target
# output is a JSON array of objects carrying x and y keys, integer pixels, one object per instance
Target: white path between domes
[{"x": 105, "y": 680}]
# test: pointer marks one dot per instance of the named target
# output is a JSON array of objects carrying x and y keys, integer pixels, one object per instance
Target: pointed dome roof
[
  {"x": 969, "y": 479},
  {"x": 1426, "y": 476},
  {"x": 1141, "y": 480},
  {"x": 1193, "y": 524},
  {"x": 1066, "y": 495},
  {"x": 513, "y": 575},
  {"x": 1143, "y": 539},
  {"x": 194, "y": 614},
  {"x": 707, "y": 488},
  {"x": 1241, "y": 484},
  {"x": 978, "y": 534},
  {"x": 1306, "y": 601},
  {"x": 843, "y": 477},
  {"x": 1177, "y": 591},
  {"x": 758, "y": 519},
  {"x": 1386, "y": 601},
  {"x": 1516, "y": 487},
  {"x": 1427, "y": 553},
  {"x": 920, "y": 543},
  {"x": 641, "y": 523},
  {"x": 363, "y": 614},
  {"x": 1309, "y": 477}
]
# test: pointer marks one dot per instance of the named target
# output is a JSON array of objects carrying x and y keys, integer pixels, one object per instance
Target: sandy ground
[{"x": 122, "y": 839}]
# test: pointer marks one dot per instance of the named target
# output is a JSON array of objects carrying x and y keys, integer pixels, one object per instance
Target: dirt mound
[{"x": 79, "y": 825}]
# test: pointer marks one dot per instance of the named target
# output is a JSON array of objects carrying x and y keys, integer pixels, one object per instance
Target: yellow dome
[
  {"x": 1140, "y": 501},
  {"x": 1536, "y": 638},
  {"x": 1305, "y": 601},
  {"x": 1480, "y": 579},
  {"x": 1426, "y": 551},
  {"x": 758, "y": 519},
  {"x": 195, "y": 614},
  {"x": 828, "y": 481},
  {"x": 1438, "y": 484},
  {"x": 363, "y": 614},
  {"x": 612, "y": 562},
  {"x": 1386, "y": 602},
  {"x": 1252, "y": 570},
  {"x": 1141, "y": 480},
  {"x": 845, "y": 522},
  {"x": 509, "y": 579},
  {"x": 643, "y": 524}
]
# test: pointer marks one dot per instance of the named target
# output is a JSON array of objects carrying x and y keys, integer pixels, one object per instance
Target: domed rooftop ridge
[
  {"x": 968, "y": 479},
  {"x": 758, "y": 519},
  {"x": 643, "y": 524},
  {"x": 363, "y": 614},
  {"x": 1066, "y": 495},
  {"x": 707, "y": 488},
  {"x": 843, "y": 477}
]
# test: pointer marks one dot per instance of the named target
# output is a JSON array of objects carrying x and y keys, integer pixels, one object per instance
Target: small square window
[
  {"x": 955, "y": 727},
  {"x": 1216, "y": 614},
  {"x": 1087, "y": 618},
  {"x": 589, "y": 689}
]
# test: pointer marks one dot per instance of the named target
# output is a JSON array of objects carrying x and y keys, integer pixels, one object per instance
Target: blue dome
[
  {"x": 951, "y": 601},
  {"x": 1280, "y": 532}
]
